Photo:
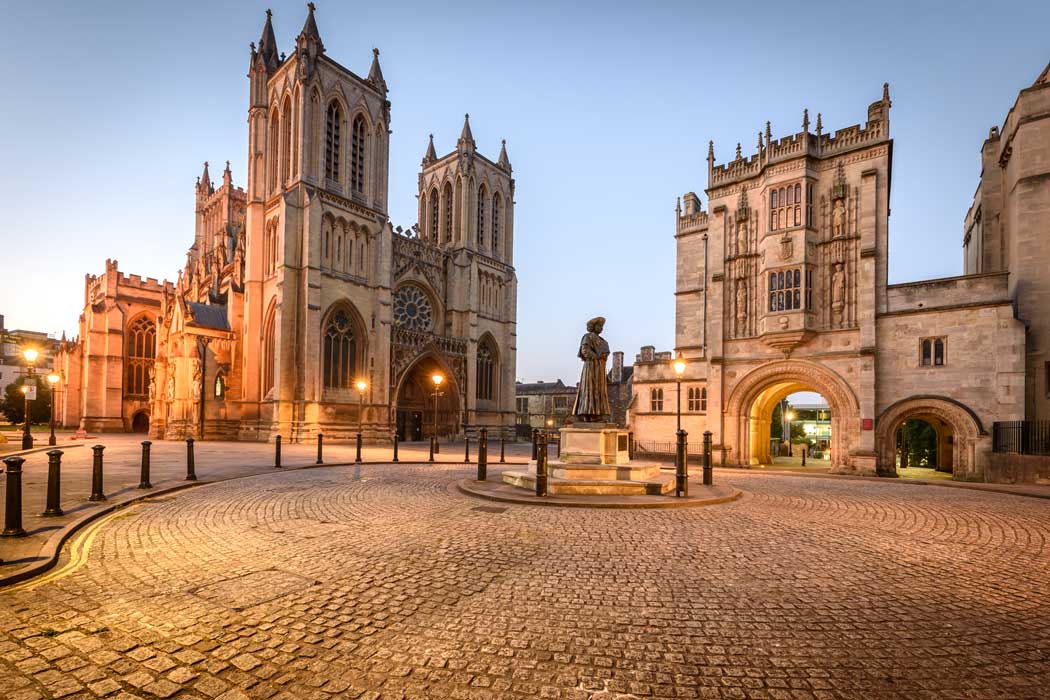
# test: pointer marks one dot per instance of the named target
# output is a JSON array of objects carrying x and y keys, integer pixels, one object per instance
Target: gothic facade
[
  {"x": 782, "y": 287},
  {"x": 298, "y": 290}
]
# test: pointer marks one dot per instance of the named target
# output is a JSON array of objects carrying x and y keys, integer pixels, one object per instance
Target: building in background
[
  {"x": 621, "y": 389},
  {"x": 13, "y": 342},
  {"x": 542, "y": 405},
  {"x": 298, "y": 286},
  {"x": 782, "y": 287}
]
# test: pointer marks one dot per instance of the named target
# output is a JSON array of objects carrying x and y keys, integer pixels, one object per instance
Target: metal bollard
[
  {"x": 357, "y": 459},
  {"x": 431, "y": 448},
  {"x": 805, "y": 449},
  {"x": 502, "y": 449},
  {"x": 681, "y": 471},
  {"x": 320, "y": 448},
  {"x": 96, "y": 475},
  {"x": 144, "y": 469},
  {"x": 277, "y": 452},
  {"x": 630, "y": 445},
  {"x": 395, "y": 446},
  {"x": 13, "y": 513},
  {"x": 541, "y": 469},
  {"x": 54, "y": 484},
  {"x": 466, "y": 449},
  {"x": 483, "y": 454},
  {"x": 191, "y": 465},
  {"x": 535, "y": 444},
  {"x": 708, "y": 480}
]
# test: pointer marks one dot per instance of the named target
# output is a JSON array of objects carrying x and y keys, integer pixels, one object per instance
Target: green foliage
[
  {"x": 776, "y": 429},
  {"x": 917, "y": 441},
  {"x": 12, "y": 404},
  {"x": 798, "y": 435}
]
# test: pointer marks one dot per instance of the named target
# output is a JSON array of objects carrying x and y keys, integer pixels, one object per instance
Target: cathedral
[
  {"x": 782, "y": 286},
  {"x": 301, "y": 309}
]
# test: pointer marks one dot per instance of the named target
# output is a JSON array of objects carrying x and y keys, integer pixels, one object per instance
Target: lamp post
[
  {"x": 30, "y": 355},
  {"x": 361, "y": 386},
  {"x": 679, "y": 370},
  {"x": 437, "y": 379},
  {"x": 52, "y": 379},
  {"x": 788, "y": 417}
]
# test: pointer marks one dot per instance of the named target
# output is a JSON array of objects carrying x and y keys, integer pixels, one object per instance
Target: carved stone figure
[
  {"x": 741, "y": 301},
  {"x": 592, "y": 395},
  {"x": 838, "y": 218},
  {"x": 152, "y": 382},
  {"x": 838, "y": 290},
  {"x": 171, "y": 388},
  {"x": 197, "y": 380}
]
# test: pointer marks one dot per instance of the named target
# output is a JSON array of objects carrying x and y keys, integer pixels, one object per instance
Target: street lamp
[
  {"x": 30, "y": 354},
  {"x": 679, "y": 370},
  {"x": 361, "y": 386},
  {"x": 52, "y": 379},
  {"x": 437, "y": 379}
]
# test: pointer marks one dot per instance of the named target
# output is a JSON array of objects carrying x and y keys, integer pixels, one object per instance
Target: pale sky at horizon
[{"x": 111, "y": 108}]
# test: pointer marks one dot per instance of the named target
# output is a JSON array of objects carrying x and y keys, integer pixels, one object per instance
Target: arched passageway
[
  {"x": 420, "y": 414},
  {"x": 140, "y": 422},
  {"x": 962, "y": 446}
]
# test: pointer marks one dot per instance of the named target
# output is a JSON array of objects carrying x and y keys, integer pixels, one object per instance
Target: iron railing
[
  {"x": 665, "y": 448},
  {"x": 1027, "y": 437}
]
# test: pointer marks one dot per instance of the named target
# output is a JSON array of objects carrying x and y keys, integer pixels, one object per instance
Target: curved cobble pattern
[{"x": 381, "y": 582}]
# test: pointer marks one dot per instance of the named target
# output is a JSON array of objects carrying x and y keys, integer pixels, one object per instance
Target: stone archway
[
  {"x": 415, "y": 413},
  {"x": 970, "y": 447},
  {"x": 750, "y": 409}
]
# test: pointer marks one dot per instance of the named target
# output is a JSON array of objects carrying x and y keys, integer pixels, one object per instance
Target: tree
[
  {"x": 918, "y": 444},
  {"x": 776, "y": 429},
  {"x": 13, "y": 404}
]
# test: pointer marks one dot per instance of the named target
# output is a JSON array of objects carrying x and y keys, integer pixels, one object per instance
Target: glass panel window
[
  {"x": 926, "y": 353},
  {"x": 938, "y": 352}
]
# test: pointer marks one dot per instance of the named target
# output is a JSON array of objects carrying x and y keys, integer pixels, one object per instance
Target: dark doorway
[
  {"x": 410, "y": 426},
  {"x": 140, "y": 422}
]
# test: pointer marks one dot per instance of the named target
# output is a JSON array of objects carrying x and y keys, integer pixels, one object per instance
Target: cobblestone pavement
[{"x": 381, "y": 582}]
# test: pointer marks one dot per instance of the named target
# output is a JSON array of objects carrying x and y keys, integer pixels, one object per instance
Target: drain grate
[{"x": 489, "y": 509}]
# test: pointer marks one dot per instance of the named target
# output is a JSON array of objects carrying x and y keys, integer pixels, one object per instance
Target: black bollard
[
  {"x": 320, "y": 448},
  {"x": 144, "y": 469},
  {"x": 54, "y": 484},
  {"x": 358, "y": 458},
  {"x": 502, "y": 448},
  {"x": 277, "y": 452},
  {"x": 541, "y": 469},
  {"x": 483, "y": 454},
  {"x": 805, "y": 449},
  {"x": 191, "y": 466},
  {"x": 535, "y": 444},
  {"x": 96, "y": 475},
  {"x": 13, "y": 513},
  {"x": 395, "y": 446},
  {"x": 681, "y": 464},
  {"x": 630, "y": 445},
  {"x": 708, "y": 480},
  {"x": 466, "y": 449},
  {"x": 431, "y": 448}
]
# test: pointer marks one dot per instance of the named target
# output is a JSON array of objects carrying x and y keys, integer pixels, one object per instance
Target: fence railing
[
  {"x": 1027, "y": 437},
  {"x": 665, "y": 447}
]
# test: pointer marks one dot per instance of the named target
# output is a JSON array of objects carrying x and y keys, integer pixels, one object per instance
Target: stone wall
[{"x": 1010, "y": 468}]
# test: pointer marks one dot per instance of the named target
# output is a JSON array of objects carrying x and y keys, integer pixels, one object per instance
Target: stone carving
[
  {"x": 196, "y": 386},
  {"x": 152, "y": 382},
  {"x": 592, "y": 395},
  {"x": 838, "y": 290},
  {"x": 741, "y": 301},
  {"x": 171, "y": 388},
  {"x": 838, "y": 218}
]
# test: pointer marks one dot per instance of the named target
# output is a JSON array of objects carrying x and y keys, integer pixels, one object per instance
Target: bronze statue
[{"x": 592, "y": 395}]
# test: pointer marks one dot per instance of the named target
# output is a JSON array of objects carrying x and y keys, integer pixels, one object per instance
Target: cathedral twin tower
[{"x": 298, "y": 291}]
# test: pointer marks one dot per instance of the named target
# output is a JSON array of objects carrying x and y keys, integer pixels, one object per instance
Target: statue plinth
[{"x": 594, "y": 443}]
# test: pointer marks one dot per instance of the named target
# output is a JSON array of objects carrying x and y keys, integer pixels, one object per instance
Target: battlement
[{"x": 150, "y": 283}]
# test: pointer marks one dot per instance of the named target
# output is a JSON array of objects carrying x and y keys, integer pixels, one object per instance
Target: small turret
[
  {"x": 504, "y": 161},
  {"x": 308, "y": 45},
  {"x": 430, "y": 156},
  {"x": 204, "y": 187},
  {"x": 267, "y": 52},
  {"x": 375, "y": 73},
  {"x": 310, "y": 33},
  {"x": 805, "y": 120},
  {"x": 227, "y": 176},
  {"x": 466, "y": 144}
]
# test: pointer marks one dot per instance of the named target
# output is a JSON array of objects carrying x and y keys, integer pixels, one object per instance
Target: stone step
[{"x": 590, "y": 487}]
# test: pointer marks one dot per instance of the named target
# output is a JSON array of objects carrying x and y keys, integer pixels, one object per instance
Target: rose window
[{"x": 412, "y": 309}]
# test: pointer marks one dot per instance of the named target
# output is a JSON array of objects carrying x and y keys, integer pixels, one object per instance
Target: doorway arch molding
[
  {"x": 793, "y": 375},
  {"x": 971, "y": 443}
]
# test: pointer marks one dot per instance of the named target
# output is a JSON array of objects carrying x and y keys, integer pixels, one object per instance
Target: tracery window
[
  {"x": 448, "y": 213},
  {"x": 703, "y": 399},
  {"x": 482, "y": 196},
  {"x": 486, "y": 372},
  {"x": 331, "y": 141},
  {"x": 785, "y": 290},
  {"x": 694, "y": 398},
  {"x": 273, "y": 146},
  {"x": 340, "y": 351},
  {"x": 269, "y": 350},
  {"x": 357, "y": 155},
  {"x": 497, "y": 206},
  {"x": 656, "y": 400},
  {"x": 412, "y": 309},
  {"x": 220, "y": 386},
  {"x": 785, "y": 206},
  {"x": 141, "y": 349},
  {"x": 286, "y": 141},
  {"x": 433, "y": 232}
]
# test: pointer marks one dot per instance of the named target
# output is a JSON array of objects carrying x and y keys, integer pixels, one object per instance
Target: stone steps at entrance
[{"x": 588, "y": 487}]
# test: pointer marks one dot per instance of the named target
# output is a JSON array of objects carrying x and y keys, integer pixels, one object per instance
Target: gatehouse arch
[
  {"x": 961, "y": 436},
  {"x": 749, "y": 410}
]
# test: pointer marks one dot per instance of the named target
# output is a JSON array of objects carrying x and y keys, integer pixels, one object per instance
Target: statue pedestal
[{"x": 594, "y": 460}]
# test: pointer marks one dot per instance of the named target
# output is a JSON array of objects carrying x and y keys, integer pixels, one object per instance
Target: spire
[
  {"x": 820, "y": 124},
  {"x": 886, "y": 93},
  {"x": 805, "y": 120},
  {"x": 738, "y": 156},
  {"x": 227, "y": 176},
  {"x": 375, "y": 73},
  {"x": 268, "y": 44},
  {"x": 503, "y": 161},
  {"x": 760, "y": 141},
  {"x": 710, "y": 151},
  {"x": 430, "y": 156},
  {"x": 466, "y": 138},
  {"x": 769, "y": 133},
  {"x": 204, "y": 183},
  {"x": 310, "y": 32}
]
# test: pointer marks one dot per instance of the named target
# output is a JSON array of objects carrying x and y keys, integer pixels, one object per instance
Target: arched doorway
[
  {"x": 749, "y": 411},
  {"x": 416, "y": 418},
  {"x": 962, "y": 444},
  {"x": 140, "y": 422},
  {"x": 801, "y": 431}
]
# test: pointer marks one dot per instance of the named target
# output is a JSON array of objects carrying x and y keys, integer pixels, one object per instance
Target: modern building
[
  {"x": 298, "y": 288},
  {"x": 782, "y": 287}
]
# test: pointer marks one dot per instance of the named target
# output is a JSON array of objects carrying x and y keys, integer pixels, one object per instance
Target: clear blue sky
[{"x": 110, "y": 108}]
